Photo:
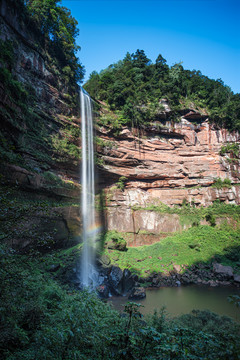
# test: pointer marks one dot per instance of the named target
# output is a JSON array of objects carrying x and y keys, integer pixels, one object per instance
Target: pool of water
[{"x": 183, "y": 299}]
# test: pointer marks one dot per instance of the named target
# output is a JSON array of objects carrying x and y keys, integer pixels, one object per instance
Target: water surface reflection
[{"x": 183, "y": 299}]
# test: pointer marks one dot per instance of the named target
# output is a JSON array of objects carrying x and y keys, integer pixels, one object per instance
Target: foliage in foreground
[{"x": 42, "y": 320}]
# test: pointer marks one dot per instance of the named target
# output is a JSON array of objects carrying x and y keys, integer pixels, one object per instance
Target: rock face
[
  {"x": 115, "y": 280},
  {"x": 34, "y": 164},
  {"x": 225, "y": 271},
  {"x": 171, "y": 165}
]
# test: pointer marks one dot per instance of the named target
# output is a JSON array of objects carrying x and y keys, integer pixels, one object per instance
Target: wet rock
[
  {"x": 236, "y": 278},
  {"x": 137, "y": 294},
  {"x": 155, "y": 281},
  {"x": 103, "y": 291},
  {"x": 225, "y": 271},
  {"x": 116, "y": 280},
  {"x": 104, "y": 260},
  {"x": 129, "y": 280},
  {"x": 224, "y": 283}
]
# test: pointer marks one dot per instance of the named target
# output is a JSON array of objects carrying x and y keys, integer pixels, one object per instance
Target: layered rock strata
[{"x": 172, "y": 165}]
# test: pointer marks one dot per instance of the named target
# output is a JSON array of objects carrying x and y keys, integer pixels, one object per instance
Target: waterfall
[{"x": 88, "y": 273}]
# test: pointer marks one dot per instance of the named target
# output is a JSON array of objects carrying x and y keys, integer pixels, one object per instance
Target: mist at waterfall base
[{"x": 88, "y": 274}]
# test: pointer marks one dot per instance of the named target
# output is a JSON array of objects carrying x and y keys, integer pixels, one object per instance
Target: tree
[
  {"x": 140, "y": 60},
  {"x": 59, "y": 31}
]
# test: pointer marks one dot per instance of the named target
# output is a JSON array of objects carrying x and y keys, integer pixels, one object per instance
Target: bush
[
  {"x": 211, "y": 219},
  {"x": 121, "y": 182},
  {"x": 115, "y": 241},
  {"x": 219, "y": 183}
]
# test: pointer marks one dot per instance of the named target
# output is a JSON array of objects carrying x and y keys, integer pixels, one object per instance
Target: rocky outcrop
[
  {"x": 35, "y": 162},
  {"x": 134, "y": 211},
  {"x": 168, "y": 164},
  {"x": 137, "y": 293},
  {"x": 200, "y": 274},
  {"x": 32, "y": 65},
  {"x": 113, "y": 280},
  {"x": 225, "y": 271},
  {"x": 171, "y": 161}
]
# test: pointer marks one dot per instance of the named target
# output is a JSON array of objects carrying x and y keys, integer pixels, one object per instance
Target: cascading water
[{"x": 88, "y": 273}]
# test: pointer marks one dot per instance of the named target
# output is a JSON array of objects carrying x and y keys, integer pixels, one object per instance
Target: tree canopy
[
  {"x": 134, "y": 86},
  {"x": 58, "y": 32}
]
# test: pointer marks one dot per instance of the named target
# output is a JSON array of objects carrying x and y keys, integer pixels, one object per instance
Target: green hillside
[{"x": 133, "y": 87}]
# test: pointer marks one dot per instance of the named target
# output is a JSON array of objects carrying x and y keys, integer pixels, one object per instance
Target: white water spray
[{"x": 88, "y": 273}]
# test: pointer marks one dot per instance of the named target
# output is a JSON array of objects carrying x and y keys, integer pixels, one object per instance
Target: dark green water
[{"x": 183, "y": 299}]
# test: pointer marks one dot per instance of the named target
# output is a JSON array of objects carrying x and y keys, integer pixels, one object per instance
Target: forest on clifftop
[{"x": 134, "y": 86}]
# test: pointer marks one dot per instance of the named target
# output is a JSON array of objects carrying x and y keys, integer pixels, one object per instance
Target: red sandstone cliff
[{"x": 171, "y": 165}]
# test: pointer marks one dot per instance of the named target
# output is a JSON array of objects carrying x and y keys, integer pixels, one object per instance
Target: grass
[{"x": 198, "y": 244}]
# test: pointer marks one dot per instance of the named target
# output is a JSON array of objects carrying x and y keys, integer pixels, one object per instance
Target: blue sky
[{"x": 203, "y": 34}]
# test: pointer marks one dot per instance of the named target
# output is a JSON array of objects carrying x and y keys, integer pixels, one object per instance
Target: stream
[{"x": 183, "y": 299}]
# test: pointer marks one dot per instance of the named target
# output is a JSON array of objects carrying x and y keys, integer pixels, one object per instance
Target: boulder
[
  {"x": 116, "y": 280},
  {"x": 129, "y": 281},
  {"x": 225, "y": 271},
  {"x": 236, "y": 278},
  {"x": 137, "y": 294},
  {"x": 155, "y": 281},
  {"x": 103, "y": 291},
  {"x": 177, "y": 268},
  {"x": 117, "y": 243},
  {"x": 104, "y": 260},
  {"x": 212, "y": 283}
]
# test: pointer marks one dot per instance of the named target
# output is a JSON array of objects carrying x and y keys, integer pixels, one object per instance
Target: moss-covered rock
[{"x": 115, "y": 241}]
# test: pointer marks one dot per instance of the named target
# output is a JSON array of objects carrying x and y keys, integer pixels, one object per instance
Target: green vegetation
[
  {"x": 219, "y": 183},
  {"x": 42, "y": 319},
  {"x": 199, "y": 244},
  {"x": 104, "y": 143},
  {"x": 115, "y": 120},
  {"x": 30, "y": 136},
  {"x": 56, "y": 30},
  {"x": 114, "y": 240},
  {"x": 232, "y": 148},
  {"x": 21, "y": 213},
  {"x": 65, "y": 144},
  {"x": 134, "y": 86},
  {"x": 218, "y": 208},
  {"x": 55, "y": 181},
  {"x": 121, "y": 182},
  {"x": 30, "y": 133}
]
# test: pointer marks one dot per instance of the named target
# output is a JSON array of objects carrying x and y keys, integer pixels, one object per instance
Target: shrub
[
  {"x": 211, "y": 219},
  {"x": 115, "y": 241},
  {"x": 230, "y": 148},
  {"x": 121, "y": 182},
  {"x": 219, "y": 183}
]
